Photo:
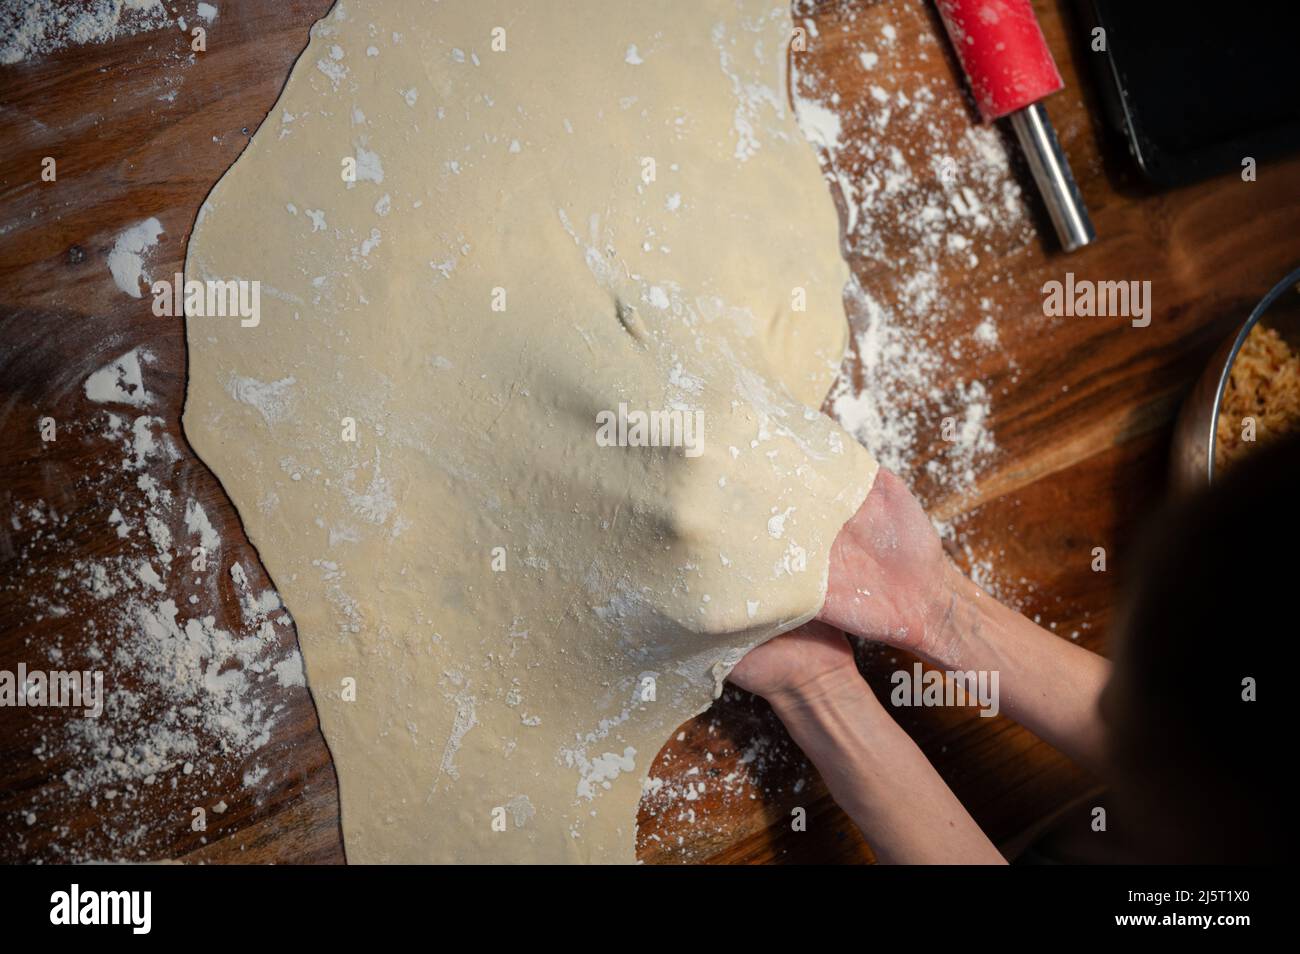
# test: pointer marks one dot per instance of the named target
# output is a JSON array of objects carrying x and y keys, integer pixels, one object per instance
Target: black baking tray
[{"x": 1197, "y": 88}]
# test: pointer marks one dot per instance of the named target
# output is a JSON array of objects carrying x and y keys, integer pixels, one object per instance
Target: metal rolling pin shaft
[{"x": 1051, "y": 171}]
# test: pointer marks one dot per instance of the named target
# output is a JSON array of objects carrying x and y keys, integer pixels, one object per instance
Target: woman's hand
[
  {"x": 803, "y": 665},
  {"x": 872, "y": 769},
  {"x": 889, "y": 581},
  {"x": 889, "y": 578}
]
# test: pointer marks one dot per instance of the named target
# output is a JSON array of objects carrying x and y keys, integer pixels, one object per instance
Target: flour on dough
[{"x": 502, "y": 619}]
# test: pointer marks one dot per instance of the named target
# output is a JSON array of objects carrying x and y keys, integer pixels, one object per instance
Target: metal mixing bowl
[{"x": 1195, "y": 432}]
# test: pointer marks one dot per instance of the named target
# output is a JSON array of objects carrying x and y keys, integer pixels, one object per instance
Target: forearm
[
  {"x": 880, "y": 778},
  {"x": 1046, "y": 683}
]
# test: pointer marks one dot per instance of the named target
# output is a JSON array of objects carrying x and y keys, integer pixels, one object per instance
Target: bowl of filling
[{"x": 1249, "y": 395}]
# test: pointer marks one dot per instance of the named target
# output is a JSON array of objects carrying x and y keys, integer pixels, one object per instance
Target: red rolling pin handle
[{"x": 1002, "y": 52}]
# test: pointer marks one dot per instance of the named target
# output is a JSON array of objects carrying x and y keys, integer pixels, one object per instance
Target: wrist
[
  {"x": 948, "y": 614},
  {"x": 832, "y": 689}
]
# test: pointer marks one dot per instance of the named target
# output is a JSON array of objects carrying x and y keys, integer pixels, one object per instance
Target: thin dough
[{"x": 536, "y": 693}]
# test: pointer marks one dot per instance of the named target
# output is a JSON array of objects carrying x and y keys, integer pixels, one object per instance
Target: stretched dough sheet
[{"x": 525, "y": 428}]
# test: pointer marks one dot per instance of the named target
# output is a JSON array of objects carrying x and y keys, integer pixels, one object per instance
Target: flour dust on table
[{"x": 525, "y": 432}]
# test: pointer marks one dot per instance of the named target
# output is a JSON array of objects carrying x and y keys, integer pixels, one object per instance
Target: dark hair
[{"x": 1212, "y": 605}]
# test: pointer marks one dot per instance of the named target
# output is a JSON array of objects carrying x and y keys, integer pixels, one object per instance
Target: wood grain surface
[{"x": 1082, "y": 412}]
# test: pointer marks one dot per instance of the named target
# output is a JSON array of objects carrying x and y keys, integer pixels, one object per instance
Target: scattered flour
[
  {"x": 120, "y": 381},
  {"x": 914, "y": 222},
  {"x": 34, "y": 28},
  {"x": 197, "y": 523},
  {"x": 188, "y": 703},
  {"x": 272, "y": 399},
  {"x": 126, "y": 260}
]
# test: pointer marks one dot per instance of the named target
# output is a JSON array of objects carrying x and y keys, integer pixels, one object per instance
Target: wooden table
[{"x": 1081, "y": 414}]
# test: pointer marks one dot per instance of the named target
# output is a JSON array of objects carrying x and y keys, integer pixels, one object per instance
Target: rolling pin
[{"x": 1011, "y": 70}]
